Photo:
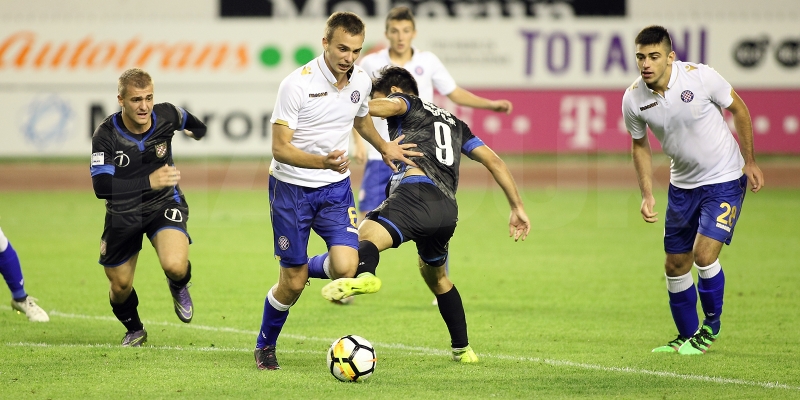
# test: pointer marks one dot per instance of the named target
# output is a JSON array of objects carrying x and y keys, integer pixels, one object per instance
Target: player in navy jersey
[
  {"x": 430, "y": 74},
  {"x": 133, "y": 171},
  {"x": 421, "y": 204}
]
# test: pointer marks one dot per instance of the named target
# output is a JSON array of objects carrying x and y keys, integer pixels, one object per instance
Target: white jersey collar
[{"x": 328, "y": 74}]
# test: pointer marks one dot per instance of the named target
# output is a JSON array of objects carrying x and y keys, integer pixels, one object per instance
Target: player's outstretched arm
[
  {"x": 464, "y": 97},
  {"x": 642, "y": 161},
  {"x": 391, "y": 151},
  {"x": 518, "y": 223},
  {"x": 744, "y": 128}
]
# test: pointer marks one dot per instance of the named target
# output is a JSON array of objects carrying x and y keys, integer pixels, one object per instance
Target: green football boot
[
  {"x": 672, "y": 346},
  {"x": 699, "y": 343}
]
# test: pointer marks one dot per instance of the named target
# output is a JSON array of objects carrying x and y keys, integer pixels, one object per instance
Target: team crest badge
[
  {"x": 161, "y": 149},
  {"x": 419, "y": 70},
  {"x": 283, "y": 242},
  {"x": 355, "y": 97},
  {"x": 687, "y": 96}
]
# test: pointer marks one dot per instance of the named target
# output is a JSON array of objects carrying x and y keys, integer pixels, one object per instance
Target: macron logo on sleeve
[{"x": 97, "y": 158}]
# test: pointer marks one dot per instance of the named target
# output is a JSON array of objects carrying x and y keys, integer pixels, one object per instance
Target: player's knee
[
  {"x": 704, "y": 260},
  {"x": 293, "y": 287},
  {"x": 677, "y": 268},
  {"x": 121, "y": 288},
  {"x": 434, "y": 276},
  {"x": 175, "y": 266}
]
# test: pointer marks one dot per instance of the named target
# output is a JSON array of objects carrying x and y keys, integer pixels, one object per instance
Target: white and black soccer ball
[{"x": 351, "y": 358}]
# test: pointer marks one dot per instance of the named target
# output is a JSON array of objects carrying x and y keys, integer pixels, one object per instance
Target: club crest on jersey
[
  {"x": 283, "y": 242},
  {"x": 419, "y": 70},
  {"x": 355, "y": 97},
  {"x": 687, "y": 96},
  {"x": 161, "y": 149}
]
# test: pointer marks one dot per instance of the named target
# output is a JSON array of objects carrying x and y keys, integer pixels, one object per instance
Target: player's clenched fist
[
  {"x": 164, "y": 177},
  {"x": 337, "y": 161}
]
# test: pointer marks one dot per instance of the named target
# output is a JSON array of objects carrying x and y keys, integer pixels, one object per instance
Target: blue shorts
[
  {"x": 295, "y": 210},
  {"x": 710, "y": 210},
  {"x": 373, "y": 186}
]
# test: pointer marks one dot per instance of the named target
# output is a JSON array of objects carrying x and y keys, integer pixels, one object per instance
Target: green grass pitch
[{"x": 572, "y": 312}]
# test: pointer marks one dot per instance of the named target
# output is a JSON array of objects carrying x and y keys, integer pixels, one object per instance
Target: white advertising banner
[{"x": 58, "y": 80}]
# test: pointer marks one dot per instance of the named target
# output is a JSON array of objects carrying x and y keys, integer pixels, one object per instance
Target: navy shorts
[
  {"x": 295, "y": 210},
  {"x": 373, "y": 186},
  {"x": 710, "y": 210},
  {"x": 417, "y": 210},
  {"x": 122, "y": 233}
]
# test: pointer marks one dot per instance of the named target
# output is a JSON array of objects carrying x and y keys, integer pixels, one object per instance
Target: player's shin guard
[
  {"x": 683, "y": 303},
  {"x": 318, "y": 267},
  {"x": 368, "y": 257},
  {"x": 711, "y": 286},
  {"x": 11, "y": 270},
  {"x": 452, "y": 310},
  {"x": 186, "y": 278},
  {"x": 275, "y": 315},
  {"x": 127, "y": 313}
]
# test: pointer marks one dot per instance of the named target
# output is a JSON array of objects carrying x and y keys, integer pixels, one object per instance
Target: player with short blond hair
[{"x": 133, "y": 171}]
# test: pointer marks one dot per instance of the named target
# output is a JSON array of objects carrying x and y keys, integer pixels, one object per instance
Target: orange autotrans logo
[{"x": 26, "y": 50}]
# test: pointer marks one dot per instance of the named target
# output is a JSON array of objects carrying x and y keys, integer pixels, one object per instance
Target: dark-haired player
[
  {"x": 133, "y": 171},
  {"x": 421, "y": 205},
  {"x": 682, "y": 104},
  {"x": 430, "y": 74}
]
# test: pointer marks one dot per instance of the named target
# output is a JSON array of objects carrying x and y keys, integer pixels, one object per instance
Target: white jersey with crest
[
  {"x": 688, "y": 123},
  {"x": 321, "y": 116},
  {"x": 428, "y": 71}
]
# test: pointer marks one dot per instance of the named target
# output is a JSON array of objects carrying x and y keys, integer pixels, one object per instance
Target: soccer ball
[{"x": 351, "y": 358}]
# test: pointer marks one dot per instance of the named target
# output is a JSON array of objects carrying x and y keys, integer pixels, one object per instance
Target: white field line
[{"x": 396, "y": 346}]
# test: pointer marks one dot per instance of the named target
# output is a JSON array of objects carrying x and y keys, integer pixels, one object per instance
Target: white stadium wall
[{"x": 566, "y": 76}]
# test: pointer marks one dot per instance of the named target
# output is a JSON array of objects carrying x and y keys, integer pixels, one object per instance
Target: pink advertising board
[{"x": 572, "y": 121}]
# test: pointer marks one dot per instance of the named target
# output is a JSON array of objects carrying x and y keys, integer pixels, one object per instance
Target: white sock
[
  {"x": 275, "y": 303},
  {"x": 326, "y": 265},
  {"x": 3, "y": 242},
  {"x": 677, "y": 284},
  {"x": 709, "y": 271}
]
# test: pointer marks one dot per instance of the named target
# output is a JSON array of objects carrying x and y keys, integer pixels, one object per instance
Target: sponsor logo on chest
[{"x": 651, "y": 105}]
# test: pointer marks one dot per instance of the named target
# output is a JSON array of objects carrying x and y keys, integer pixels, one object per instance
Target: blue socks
[
  {"x": 683, "y": 304},
  {"x": 275, "y": 315},
  {"x": 711, "y": 286},
  {"x": 316, "y": 267},
  {"x": 683, "y": 298},
  {"x": 12, "y": 272}
]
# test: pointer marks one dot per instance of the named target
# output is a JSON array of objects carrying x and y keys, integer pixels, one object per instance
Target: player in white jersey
[
  {"x": 682, "y": 103},
  {"x": 429, "y": 73},
  {"x": 309, "y": 187}
]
